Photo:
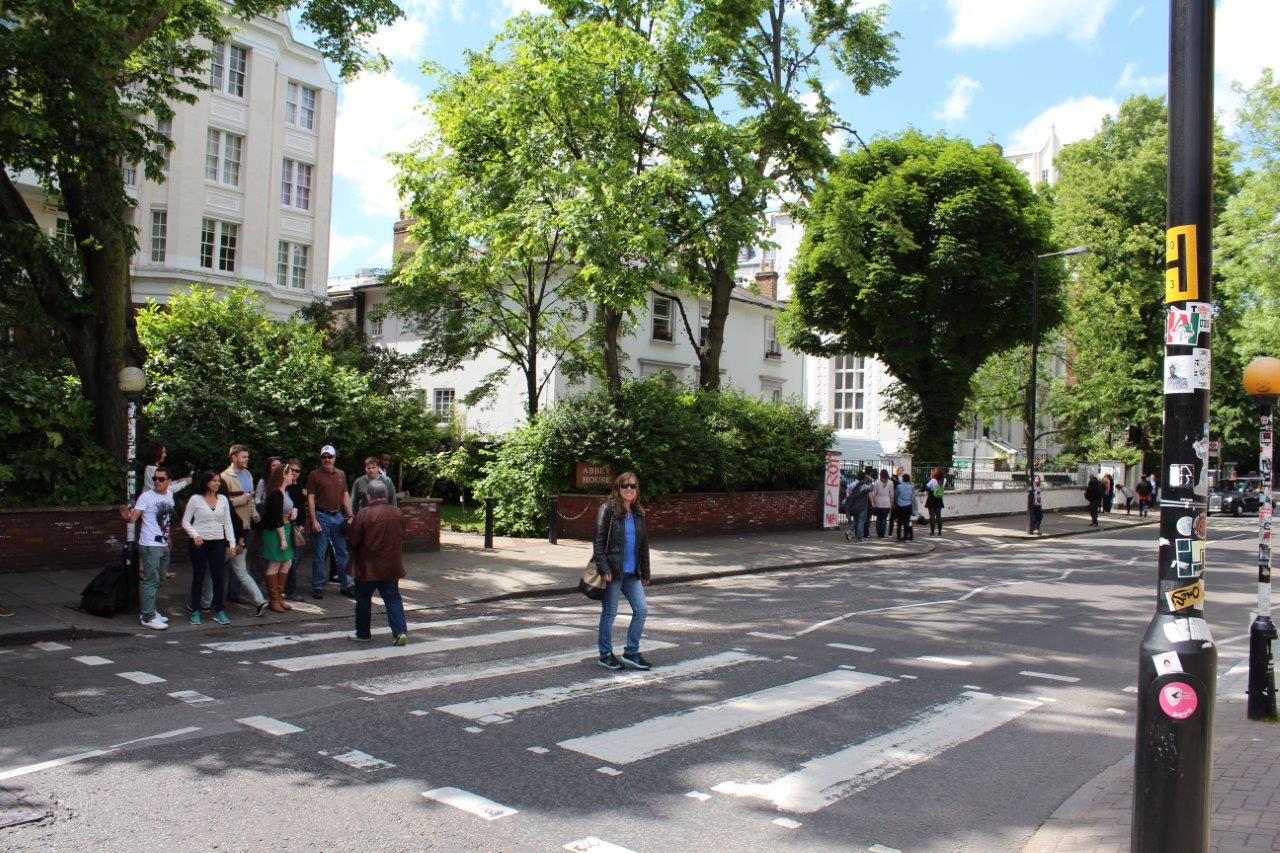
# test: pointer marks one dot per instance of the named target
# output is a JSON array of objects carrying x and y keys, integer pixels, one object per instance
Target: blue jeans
[
  {"x": 330, "y": 531},
  {"x": 633, "y": 588},
  {"x": 389, "y": 591},
  {"x": 858, "y": 524},
  {"x": 882, "y": 520}
]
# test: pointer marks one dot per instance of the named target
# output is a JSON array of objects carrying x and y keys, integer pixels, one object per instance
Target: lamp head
[
  {"x": 132, "y": 379},
  {"x": 1262, "y": 380}
]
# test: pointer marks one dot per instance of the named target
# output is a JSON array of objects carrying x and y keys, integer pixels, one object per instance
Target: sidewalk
[{"x": 462, "y": 572}]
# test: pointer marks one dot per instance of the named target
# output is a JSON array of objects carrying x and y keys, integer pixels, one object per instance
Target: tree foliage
[
  {"x": 918, "y": 251},
  {"x": 85, "y": 85},
  {"x": 219, "y": 371}
]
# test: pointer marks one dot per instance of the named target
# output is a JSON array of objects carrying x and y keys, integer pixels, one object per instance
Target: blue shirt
[
  {"x": 904, "y": 494},
  {"x": 629, "y": 545},
  {"x": 246, "y": 480}
]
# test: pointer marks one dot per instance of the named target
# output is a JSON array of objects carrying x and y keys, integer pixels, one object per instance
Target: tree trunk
[
  {"x": 610, "y": 324},
  {"x": 531, "y": 369},
  {"x": 933, "y": 434},
  {"x": 722, "y": 284}
]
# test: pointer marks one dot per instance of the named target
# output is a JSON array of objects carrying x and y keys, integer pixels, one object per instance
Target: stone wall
[{"x": 703, "y": 513}]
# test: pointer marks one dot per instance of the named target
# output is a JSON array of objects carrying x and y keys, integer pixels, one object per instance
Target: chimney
[
  {"x": 400, "y": 242},
  {"x": 767, "y": 284}
]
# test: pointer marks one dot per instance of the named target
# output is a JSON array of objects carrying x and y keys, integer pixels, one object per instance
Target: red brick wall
[
  {"x": 704, "y": 514},
  {"x": 91, "y": 537}
]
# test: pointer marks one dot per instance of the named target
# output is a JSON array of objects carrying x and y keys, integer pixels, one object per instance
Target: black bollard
[
  {"x": 488, "y": 523},
  {"x": 553, "y": 520}
]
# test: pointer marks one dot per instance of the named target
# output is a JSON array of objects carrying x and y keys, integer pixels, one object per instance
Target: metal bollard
[
  {"x": 553, "y": 520},
  {"x": 488, "y": 523}
]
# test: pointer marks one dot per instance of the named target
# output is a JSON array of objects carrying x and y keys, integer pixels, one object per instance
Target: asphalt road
[{"x": 944, "y": 703}]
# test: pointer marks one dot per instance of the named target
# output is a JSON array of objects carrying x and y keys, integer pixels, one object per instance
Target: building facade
[{"x": 248, "y": 188}]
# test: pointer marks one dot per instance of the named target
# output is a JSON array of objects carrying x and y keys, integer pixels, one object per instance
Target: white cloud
[
  {"x": 997, "y": 23},
  {"x": 960, "y": 94},
  {"x": 1131, "y": 81},
  {"x": 342, "y": 247},
  {"x": 1245, "y": 43},
  {"x": 1073, "y": 119},
  {"x": 407, "y": 38},
  {"x": 1136, "y": 13},
  {"x": 378, "y": 114},
  {"x": 515, "y": 7}
]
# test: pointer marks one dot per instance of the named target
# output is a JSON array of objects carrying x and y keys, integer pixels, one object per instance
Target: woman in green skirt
[{"x": 278, "y": 514}]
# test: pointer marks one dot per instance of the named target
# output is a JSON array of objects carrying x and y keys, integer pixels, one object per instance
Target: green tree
[
  {"x": 219, "y": 371},
  {"x": 918, "y": 251},
  {"x": 84, "y": 85},
  {"x": 1110, "y": 196}
]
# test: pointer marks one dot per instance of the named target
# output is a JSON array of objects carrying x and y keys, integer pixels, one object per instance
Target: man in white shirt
[{"x": 154, "y": 508}]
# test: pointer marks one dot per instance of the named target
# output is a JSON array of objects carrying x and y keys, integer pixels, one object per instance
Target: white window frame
[
  {"x": 222, "y": 156},
  {"x": 772, "y": 349},
  {"x": 164, "y": 127},
  {"x": 669, "y": 304},
  {"x": 375, "y": 327},
  {"x": 159, "y": 234},
  {"x": 848, "y": 392},
  {"x": 300, "y": 106},
  {"x": 129, "y": 172},
  {"x": 229, "y": 69},
  {"x": 443, "y": 401},
  {"x": 293, "y": 264},
  {"x": 296, "y": 178},
  {"x": 219, "y": 244},
  {"x": 62, "y": 233}
]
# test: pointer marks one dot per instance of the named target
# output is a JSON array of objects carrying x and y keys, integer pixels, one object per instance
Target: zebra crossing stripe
[
  {"x": 830, "y": 778},
  {"x": 309, "y": 662},
  {"x": 507, "y": 705},
  {"x": 591, "y": 844},
  {"x": 469, "y": 803},
  {"x": 425, "y": 679},
  {"x": 293, "y": 639},
  {"x": 270, "y": 725},
  {"x": 661, "y": 734}
]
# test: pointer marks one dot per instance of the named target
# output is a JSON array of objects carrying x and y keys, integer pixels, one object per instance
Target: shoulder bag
[{"x": 592, "y": 584}]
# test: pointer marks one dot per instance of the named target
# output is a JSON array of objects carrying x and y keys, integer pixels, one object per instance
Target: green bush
[
  {"x": 676, "y": 441},
  {"x": 47, "y": 453}
]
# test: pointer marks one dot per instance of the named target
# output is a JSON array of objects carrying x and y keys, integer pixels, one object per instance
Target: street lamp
[
  {"x": 1262, "y": 384},
  {"x": 1031, "y": 389},
  {"x": 131, "y": 381}
]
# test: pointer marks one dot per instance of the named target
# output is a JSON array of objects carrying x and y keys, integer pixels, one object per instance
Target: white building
[
  {"x": 249, "y": 181},
  {"x": 1039, "y": 164}
]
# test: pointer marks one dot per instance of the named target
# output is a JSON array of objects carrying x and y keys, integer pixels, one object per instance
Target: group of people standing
[
  {"x": 229, "y": 519},
  {"x": 1100, "y": 493},
  {"x": 891, "y": 500}
]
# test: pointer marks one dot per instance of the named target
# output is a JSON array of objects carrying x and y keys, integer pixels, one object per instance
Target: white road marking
[
  {"x": 909, "y": 677},
  {"x": 1130, "y": 689},
  {"x": 141, "y": 677},
  {"x": 1115, "y": 711},
  {"x": 1049, "y": 676},
  {"x": 880, "y": 848},
  {"x": 293, "y": 639},
  {"x": 270, "y": 725},
  {"x": 971, "y": 687},
  {"x": 764, "y": 635},
  {"x": 539, "y": 750},
  {"x": 826, "y": 780},
  {"x": 850, "y": 648},
  {"x": 47, "y": 646},
  {"x": 786, "y": 823},
  {"x": 469, "y": 803},
  {"x": 309, "y": 662},
  {"x": 93, "y": 753},
  {"x": 358, "y": 760},
  {"x": 475, "y": 730},
  {"x": 945, "y": 661},
  {"x": 699, "y": 796},
  {"x": 191, "y": 697},
  {"x": 418, "y": 713},
  {"x": 423, "y": 679},
  {"x": 591, "y": 844},
  {"x": 609, "y": 771},
  {"x": 659, "y": 734},
  {"x": 502, "y": 706},
  {"x": 93, "y": 660}
]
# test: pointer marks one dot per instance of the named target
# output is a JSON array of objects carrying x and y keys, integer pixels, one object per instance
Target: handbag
[
  {"x": 592, "y": 584},
  {"x": 299, "y": 538}
]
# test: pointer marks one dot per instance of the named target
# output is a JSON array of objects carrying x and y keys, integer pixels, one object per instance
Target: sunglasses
[
  {"x": 295, "y": 470},
  {"x": 629, "y": 486},
  {"x": 160, "y": 479}
]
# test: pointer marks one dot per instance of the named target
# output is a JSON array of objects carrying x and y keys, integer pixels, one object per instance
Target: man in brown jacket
[{"x": 376, "y": 541}]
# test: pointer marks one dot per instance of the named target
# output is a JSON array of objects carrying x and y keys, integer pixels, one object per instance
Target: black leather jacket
[{"x": 611, "y": 537}]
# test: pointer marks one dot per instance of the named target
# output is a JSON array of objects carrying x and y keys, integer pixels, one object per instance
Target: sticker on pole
[
  {"x": 1178, "y": 700},
  {"x": 1167, "y": 662},
  {"x": 1183, "y": 326},
  {"x": 1191, "y": 595},
  {"x": 1181, "y": 264},
  {"x": 1189, "y": 557}
]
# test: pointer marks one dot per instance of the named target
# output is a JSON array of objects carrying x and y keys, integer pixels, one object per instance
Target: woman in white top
[
  {"x": 207, "y": 521},
  {"x": 882, "y": 501}
]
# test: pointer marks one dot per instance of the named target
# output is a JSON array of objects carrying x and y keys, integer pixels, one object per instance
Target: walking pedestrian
[
  {"x": 1093, "y": 493},
  {"x": 329, "y": 506},
  {"x": 621, "y": 554},
  {"x": 1037, "y": 505},
  {"x": 882, "y": 502},
  {"x": 377, "y": 543},
  {"x": 904, "y": 499},
  {"x": 1155, "y": 491},
  {"x": 278, "y": 515},
  {"x": 360, "y": 488},
  {"x": 1108, "y": 493},
  {"x": 207, "y": 521},
  {"x": 1127, "y": 494},
  {"x": 240, "y": 494},
  {"x": 298, "y": 495},
  {"x": 154, "y": 508},
  {"x": 934, "y": 489},
  {"x": 1144, "y": 496},
  {"x": 857, "y": 505}
]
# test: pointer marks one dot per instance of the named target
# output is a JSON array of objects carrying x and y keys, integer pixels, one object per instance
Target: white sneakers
[{"x": 156, "y": 622}]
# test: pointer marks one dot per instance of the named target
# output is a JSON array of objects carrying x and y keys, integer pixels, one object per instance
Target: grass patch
[{"x": 468, "y": 519}]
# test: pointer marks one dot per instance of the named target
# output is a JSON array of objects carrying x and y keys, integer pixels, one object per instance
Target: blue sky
[{"x": 983, "y": 69}]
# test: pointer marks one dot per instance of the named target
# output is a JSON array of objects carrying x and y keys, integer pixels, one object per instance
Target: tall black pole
[
  {"x": 1031, "y": 395},
  {"x": 1262, "y": 677},
  {"x": 1177, "y": 663}
]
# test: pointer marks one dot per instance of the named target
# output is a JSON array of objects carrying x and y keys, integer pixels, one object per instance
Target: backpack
[{"x": 107, "y": 594}]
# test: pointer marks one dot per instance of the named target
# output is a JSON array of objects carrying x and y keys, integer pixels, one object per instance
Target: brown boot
[
  {"x": 281, "y": 577},
  {"x": 273, "y": 590}
]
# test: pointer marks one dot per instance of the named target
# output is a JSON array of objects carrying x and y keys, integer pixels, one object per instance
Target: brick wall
[
  {"x": 704, "y": 513},
  {"x": 90, "y": 537}
]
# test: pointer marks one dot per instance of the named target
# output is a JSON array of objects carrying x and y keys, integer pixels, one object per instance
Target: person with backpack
[
  {"x": 154, "y": 508},
  {"x": 856, "y": 505},
  {"x": 1093, "y": 493},
  {"x": 934, "y": 490},
  {"x": 882, "y": 502},
  {"x": 207, "y": 521},
  {"x": 904, "y": 500},
  {"x": 1143, "y": 490}
]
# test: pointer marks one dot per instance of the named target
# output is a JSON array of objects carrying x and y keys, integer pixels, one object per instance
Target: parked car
[{"x": 1236, "y": 496}]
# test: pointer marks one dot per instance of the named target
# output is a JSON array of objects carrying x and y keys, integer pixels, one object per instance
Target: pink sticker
[{"x": 1178, "y": 700}]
